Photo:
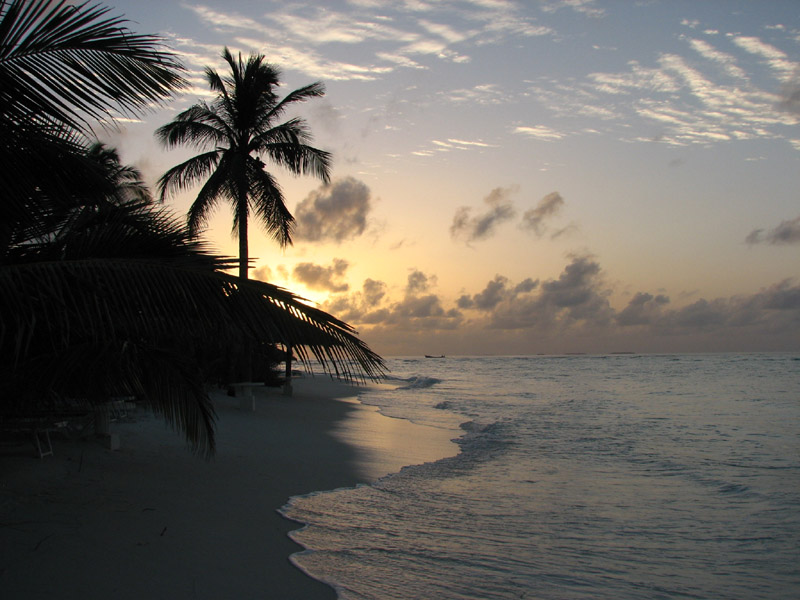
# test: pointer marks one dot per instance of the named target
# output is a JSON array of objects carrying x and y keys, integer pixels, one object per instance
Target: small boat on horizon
[{"x": 430, "y": 356}]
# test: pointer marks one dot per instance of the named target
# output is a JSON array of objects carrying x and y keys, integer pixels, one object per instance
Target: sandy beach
[{"x": 151, "y": 520}]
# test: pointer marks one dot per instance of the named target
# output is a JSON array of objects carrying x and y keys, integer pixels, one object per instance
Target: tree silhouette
[
  {"x": 235, "y": 133},
  {"x": 103, "y": 293}
]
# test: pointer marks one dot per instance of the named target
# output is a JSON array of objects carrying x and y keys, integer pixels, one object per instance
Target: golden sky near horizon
[{"x": 520, "y": 177}]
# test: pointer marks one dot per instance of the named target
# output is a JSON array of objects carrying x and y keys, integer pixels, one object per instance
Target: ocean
[{"x": 618, "y": 477}]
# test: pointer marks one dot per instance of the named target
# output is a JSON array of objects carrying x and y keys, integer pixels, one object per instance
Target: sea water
[{"x": 619, "y": 477}]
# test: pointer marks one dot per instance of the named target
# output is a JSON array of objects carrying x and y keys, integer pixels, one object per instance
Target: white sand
[{"x": 151, "y": 520}]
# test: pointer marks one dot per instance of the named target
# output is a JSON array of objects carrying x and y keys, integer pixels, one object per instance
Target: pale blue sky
[{"x": 511, "y": 177}]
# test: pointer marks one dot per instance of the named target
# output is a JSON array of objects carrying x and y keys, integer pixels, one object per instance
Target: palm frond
[
  {"x": 187, "y": 174},
  {"x": 199, "y": 126},
  {"x": 161, "y": 376},
  {"x": 286, "y": 144},
  {"x": 127, "y": 289},
  {"x": 48, "y": 305},
  {"x": 268, "y": 205},
  {"x": 72, "y": 63},
  {"x": 313, "y": 90},
  {"x": 300, "y": 159},
  {"x": 217, "y": 186},
  {"x": 125, "y": 182}
]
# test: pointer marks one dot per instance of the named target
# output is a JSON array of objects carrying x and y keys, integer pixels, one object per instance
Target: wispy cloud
[
  {"x": 701, "y": 101},
  {"x": 468, "y": 143},
  {"x": 786, "y": 232},
  {"x": 398, "y": 33},
  {"x": 446, "y": 32},
  {"x": 540, "y": 132},
  {"x": 534, "y": 218},
  {"x": 777, "y": 59},
  {"x": 224, "y": 20},
  {"x": 483, "y": 93},
  {"x": 313, "y": 64},
  {"x": 400, "y": 60},
  {"x": 452, "y": 144},
  {"x": 455, "y": 144},
  {"x": 585, "y": 7},
  {"x": 321, "y": 26},
  {"x": 481, "y": 226},
  {"x": 727, "y": 61}
]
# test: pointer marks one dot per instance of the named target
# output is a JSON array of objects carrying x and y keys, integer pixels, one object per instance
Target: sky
[{"x": 522, "y": 177}]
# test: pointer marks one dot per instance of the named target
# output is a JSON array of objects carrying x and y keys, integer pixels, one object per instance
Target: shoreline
[{"x": 151, "y": 520}]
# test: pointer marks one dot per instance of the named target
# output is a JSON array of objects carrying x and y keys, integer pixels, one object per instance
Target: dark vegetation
[{"x": 105, "y": 294}]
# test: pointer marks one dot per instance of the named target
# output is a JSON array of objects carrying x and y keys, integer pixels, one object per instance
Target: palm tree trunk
[
  {"x": 247, "y": 364},
  {"x": 243, "y": 254}
]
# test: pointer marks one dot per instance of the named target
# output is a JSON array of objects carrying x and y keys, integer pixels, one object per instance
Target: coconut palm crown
[{"x": 234, "y": 132}]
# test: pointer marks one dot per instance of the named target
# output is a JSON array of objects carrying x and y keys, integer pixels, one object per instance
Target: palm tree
[
  {"x": 102, "y": 293},
  {"x": 124, "y": 302},
  {"x": 234, "y": 132},
  {"x": 121, "y": 300}
]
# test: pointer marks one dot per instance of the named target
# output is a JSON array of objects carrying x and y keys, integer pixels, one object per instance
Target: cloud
[
  {"x": 540, "y": 132},
  {"x": 787, "y": 232},
  {"x": 287, "y": 43},
  {"x": 643, "y": 309},
  {"x": 528, "y": 285},
  {"x": 479, "y": 227},
  {"x": 549, "y": 206},
  {"x": 577, "y": 289},
  {"x": 262, "y": 274},
  {"x": 727, "y": 61},
  {"x": 400, "y": 60},
  {"x": 781, "y": 296},
  {"x": 327, "y": 279},
  {"x": 704, "y": 99},
  {"x": 361, "y": 306},
  {"x": 790, "y": 95},
  {"x": 450, "y": 35},
  {"x": 417, "y": 311},
  {"x": 498, "y": 290},
  {"x": 333, "y": 213},
  {"x": 578, "y": 296},
  {"x": 700, "y": 315},
  {"x": 775, "y": 58},
  {"x": 374, "y": 291},
  {"x": 585, "y": 7},
  {"x": 493, "y": 293},
  {"x": 419, "y": 282},
  {"x": 419, "y": 307},
  {"x": 307, "y": 38},
  {"x": 323, "y": 26},
  {"x": 566, "y": 230},
  {"x": 482, "y": 94},
  {"x": 467, "y": 143},
  {"x": 452, "y": 144},
  {"x": 572, "y": 312}
]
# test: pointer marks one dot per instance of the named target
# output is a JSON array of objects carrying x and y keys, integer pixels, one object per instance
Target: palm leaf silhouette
[{"x": 126, "y": 284}]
